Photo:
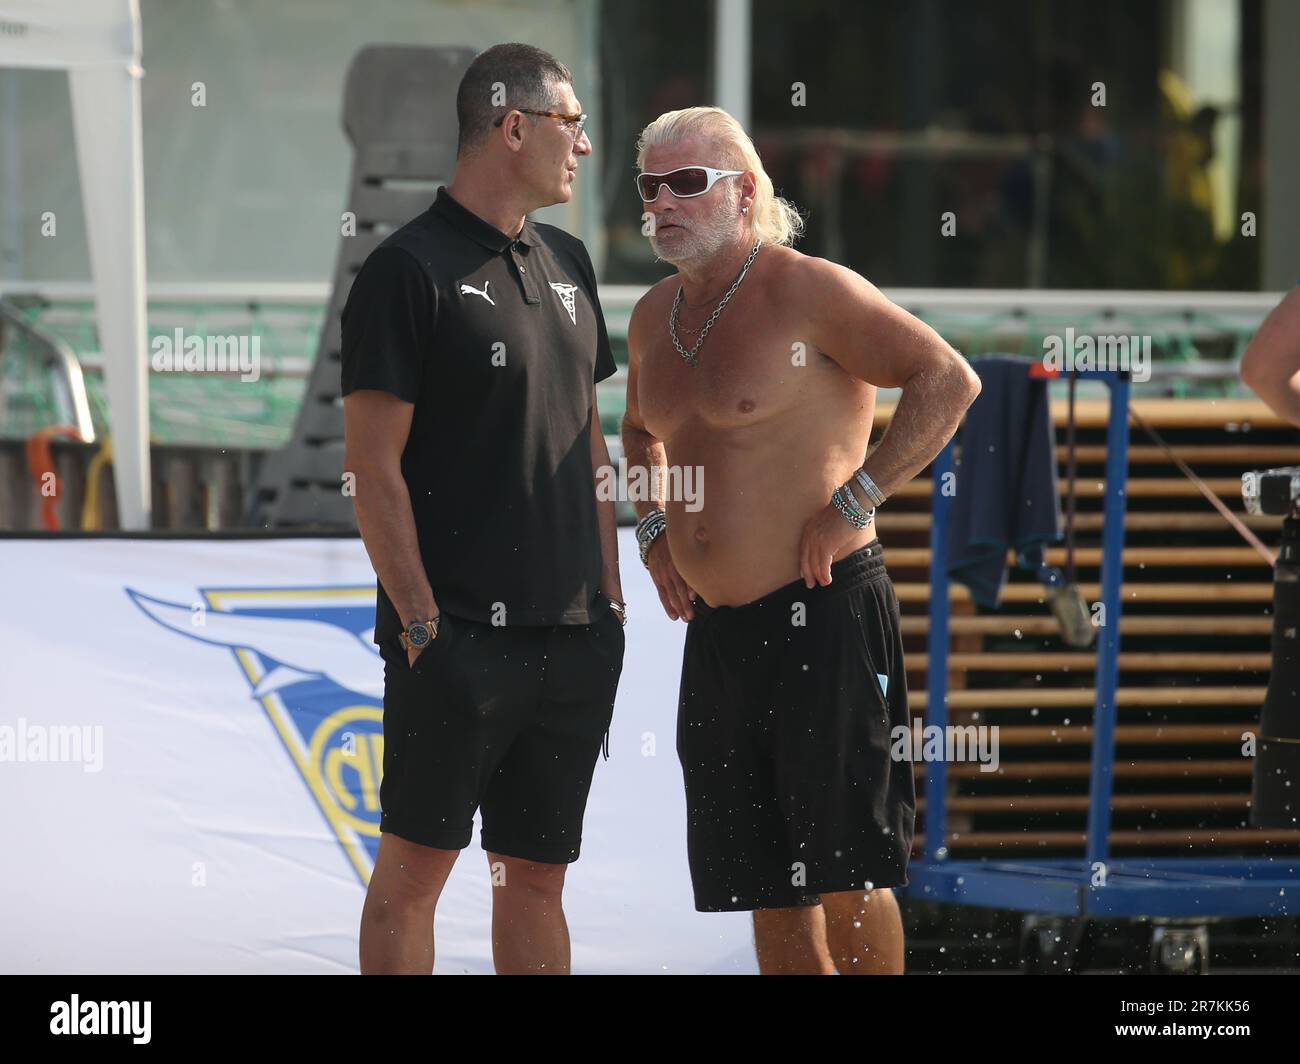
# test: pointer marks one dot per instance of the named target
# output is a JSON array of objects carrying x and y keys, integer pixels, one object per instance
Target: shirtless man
[{"x": 792, "y": 675}]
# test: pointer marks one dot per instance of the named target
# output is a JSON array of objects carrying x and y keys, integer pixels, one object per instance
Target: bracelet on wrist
[
  {"x": 869, "y": 487},
  {"x": 843, "y": 499},
  {"x": 648, "y": 529}
]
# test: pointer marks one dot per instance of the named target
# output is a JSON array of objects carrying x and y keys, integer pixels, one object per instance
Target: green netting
[
  {"x": 210, "y": 409},
  {"x": 193, "y": 409}
]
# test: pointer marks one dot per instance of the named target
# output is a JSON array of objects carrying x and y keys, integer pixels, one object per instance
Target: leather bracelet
[{"x": 873, "y": 493}]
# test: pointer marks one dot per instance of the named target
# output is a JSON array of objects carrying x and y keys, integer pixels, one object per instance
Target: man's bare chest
[{"x": 748, "y": 370}]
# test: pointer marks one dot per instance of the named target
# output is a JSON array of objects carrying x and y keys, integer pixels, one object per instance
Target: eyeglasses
[
  {"x": 685, "y": 182},
  {"x": 568, "y": 121}
]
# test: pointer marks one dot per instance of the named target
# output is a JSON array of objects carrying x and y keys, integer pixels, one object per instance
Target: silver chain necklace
[{"x": 691, "y": 356}]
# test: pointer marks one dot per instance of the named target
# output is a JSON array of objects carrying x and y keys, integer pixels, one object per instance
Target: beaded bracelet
[
  {"x": 846, "y": 502},
  {"x": 648, "y": 529}
]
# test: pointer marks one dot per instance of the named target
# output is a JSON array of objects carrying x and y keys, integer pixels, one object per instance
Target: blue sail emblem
[{"x": 307, "y": 656}]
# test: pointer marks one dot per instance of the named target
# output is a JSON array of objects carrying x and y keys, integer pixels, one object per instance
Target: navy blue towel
[{"x": 1007, "y": 492}]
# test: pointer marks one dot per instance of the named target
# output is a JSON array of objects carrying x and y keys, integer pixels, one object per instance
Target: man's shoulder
[
  {"x": 567, "y": 248},
  {"x": 553, "y": 233},
  {"x": 810, "y": 280},
  {"x": 787, "y": 266},
  {"x": 418, "y": 238}
]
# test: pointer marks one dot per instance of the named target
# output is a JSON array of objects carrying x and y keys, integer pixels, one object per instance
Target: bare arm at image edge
[{"x": 1271, "y": 364}]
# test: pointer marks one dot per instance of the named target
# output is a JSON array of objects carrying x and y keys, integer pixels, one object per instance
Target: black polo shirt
[{"x": 498, "y": 342}]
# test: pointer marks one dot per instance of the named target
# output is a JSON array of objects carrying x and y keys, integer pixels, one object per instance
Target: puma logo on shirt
[{"x": 467, "y": 289}]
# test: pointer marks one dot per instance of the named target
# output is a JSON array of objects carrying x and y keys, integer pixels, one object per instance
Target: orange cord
[{"x": 40, "y": 463}]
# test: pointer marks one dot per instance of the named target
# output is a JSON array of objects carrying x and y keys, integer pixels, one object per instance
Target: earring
[{"x": 744, "y": 210}]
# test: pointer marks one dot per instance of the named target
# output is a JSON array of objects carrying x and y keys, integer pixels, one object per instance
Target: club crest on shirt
[{"x": 565, "y": 292}]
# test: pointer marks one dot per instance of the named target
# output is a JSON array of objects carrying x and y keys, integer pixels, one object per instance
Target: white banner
[{"x": 177, "y": 796}]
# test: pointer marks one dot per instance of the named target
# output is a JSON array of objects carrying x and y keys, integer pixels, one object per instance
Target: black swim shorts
[
  {"x": 787, "y": 709},
  {"x": 508, "y": 720}
]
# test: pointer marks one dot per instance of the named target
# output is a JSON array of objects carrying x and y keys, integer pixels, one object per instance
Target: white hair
[{"x": 774, "y": 220}]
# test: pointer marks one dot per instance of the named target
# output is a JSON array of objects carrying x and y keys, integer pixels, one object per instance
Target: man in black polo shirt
[{"x": 472, "y": 342}]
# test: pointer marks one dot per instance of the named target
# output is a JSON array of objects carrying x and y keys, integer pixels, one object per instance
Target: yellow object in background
[{"x": 92, "y": 516}]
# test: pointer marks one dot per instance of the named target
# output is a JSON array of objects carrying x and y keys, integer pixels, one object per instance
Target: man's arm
[
  {"x": 875, "y": 340},
  {"x": 1271, "y": 365},
  {"x": 376, "y": 425},
  {"x": 641, "y": 448},
  {"x": 610, "y": 583},
  {"x": 387, "y": 328},
  {"x": 879, "y": 342}
]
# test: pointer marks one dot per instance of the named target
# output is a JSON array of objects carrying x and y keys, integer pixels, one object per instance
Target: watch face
[{"x": 419, "y": 634}]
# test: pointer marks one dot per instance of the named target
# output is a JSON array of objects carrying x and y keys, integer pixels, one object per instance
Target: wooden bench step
[
  {"x": 1078, "y": 803},
  {"x": 1081, "y": 734},
  {"x": 1084, "y": 697},
  {"x": 1183, "y": 768},
  {"x": 1045, "y": 625},
  {"x": 1092, "y": 488},
  {"x": 1252, "y": 456},
  {"x": 1134, "y": 592},
  {"x": 1210, "y": 521},
  {"x": 1158, "y": 413},
  {"x": 1198, "y": 838},
  {"x": 1086, "y": 662},
  {"x": 1085, "y": 557}
]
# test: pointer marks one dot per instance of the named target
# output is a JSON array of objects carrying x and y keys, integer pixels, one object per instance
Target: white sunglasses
[{"x": 684, "y": 182}]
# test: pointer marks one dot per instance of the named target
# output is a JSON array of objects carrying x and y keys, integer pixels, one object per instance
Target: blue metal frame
[{"x": 1096, "y": 886}]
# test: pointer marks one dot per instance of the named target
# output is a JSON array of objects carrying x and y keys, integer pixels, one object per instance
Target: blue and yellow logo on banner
[{"x": 307, "y": 655}]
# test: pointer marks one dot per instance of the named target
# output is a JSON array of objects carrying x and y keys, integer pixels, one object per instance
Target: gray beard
[
  {"x": 702, "y": 247},
  {"x": 709, "y": 239}
]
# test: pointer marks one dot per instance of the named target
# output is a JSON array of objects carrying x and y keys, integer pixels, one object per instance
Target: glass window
[{"x": 1083, "y": 144}]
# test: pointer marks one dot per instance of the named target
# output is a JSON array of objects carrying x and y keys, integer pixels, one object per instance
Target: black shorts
[
  {"x": 784, "y": 733},
  {"x": 504, "y": 719}
]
